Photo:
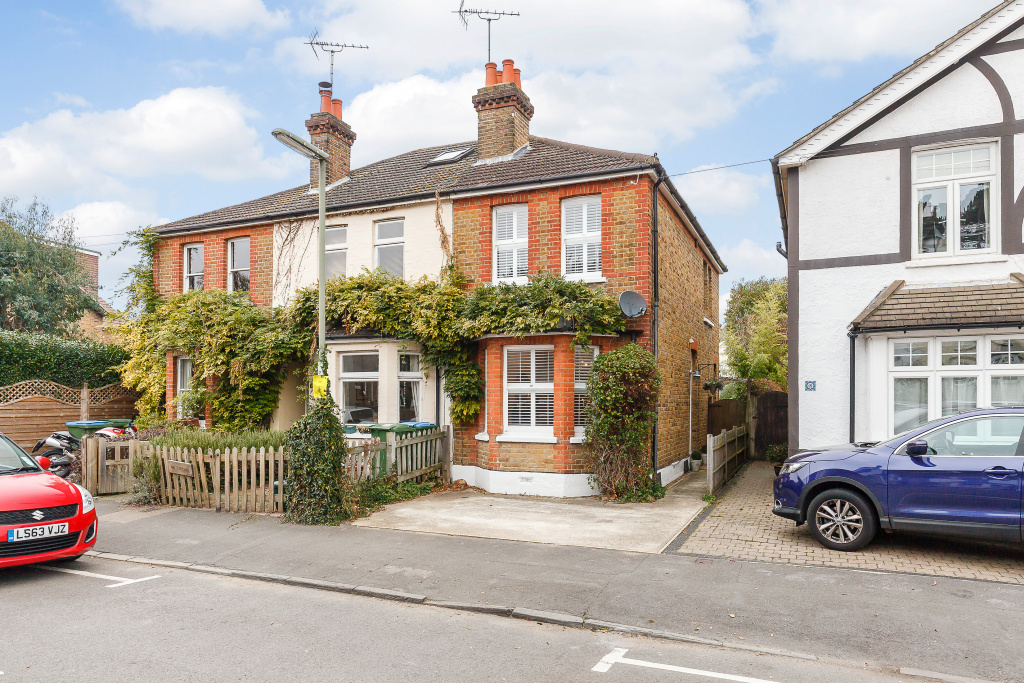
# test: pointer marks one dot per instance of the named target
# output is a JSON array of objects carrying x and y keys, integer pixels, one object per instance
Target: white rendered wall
[
  {"x": 1014, "y": 35},
  {"x": 830, "y": 298},
  {"x": 295, "y": 263},
  {"x": 526, "y": 483},
  {"x": 850, "y": 205},
  {"x": 1010, "y": 67},
  {"x": 962, "y": 99}
]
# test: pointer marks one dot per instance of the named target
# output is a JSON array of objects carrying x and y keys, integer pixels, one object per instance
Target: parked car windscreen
[{"x": 13, "y": 458}]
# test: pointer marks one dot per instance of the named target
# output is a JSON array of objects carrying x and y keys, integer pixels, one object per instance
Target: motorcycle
[
  {"x": 118, "y": 433},
  {"x": 62, "y": 452}
]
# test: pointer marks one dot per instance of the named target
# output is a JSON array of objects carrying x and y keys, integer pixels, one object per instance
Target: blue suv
[{"x": 959, "y": 475}]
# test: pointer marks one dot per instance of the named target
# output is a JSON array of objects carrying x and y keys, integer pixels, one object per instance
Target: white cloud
[
  {"x": 193, "y": 131},
  {"x": 70, "y": 100},
  {"x": 721, "y": 191},
  {"x": 602, "y": 74},
  {"x": 218, "y": 17},
  {"x": 101, "y": 226},
  {"x": 748, "y": 260},
  {"x": 854, "y": 30}
]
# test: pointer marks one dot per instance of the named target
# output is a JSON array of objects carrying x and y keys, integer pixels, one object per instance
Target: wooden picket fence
[
  {"x": 251, "y": 480},
  {"x": 107, "y": 465},
  {"x": 726, "y": 452}
]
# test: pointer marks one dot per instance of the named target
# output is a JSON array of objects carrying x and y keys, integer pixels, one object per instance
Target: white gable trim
[{"x": 902, "y": 85}]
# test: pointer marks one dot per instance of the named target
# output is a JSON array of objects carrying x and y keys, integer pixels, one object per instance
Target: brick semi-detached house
[{"x": 512, "y": 205}]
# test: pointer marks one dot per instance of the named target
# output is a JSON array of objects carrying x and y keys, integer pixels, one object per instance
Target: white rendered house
[{"x": 902, "y": 218}]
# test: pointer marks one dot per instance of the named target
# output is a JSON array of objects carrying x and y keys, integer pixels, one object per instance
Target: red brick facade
[
  {"x": 688, "y": 286},
  {"x": 169, "y": 274}
]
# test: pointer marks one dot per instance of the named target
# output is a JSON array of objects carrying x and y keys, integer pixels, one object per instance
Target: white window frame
[
  {"x": 519, "y": 243},
  {"x": 185, "y": 265},
  {"x": 951, "y": 183},
  {"x": 232, "y": 271},
  {"x": 336, "y": 248},
  {"x": 388, "y": 241},
  {"x": 532, "y": 388},
  {"x": 179, "y": 387},
  {"x": 591, "y": 235},
  {"x": 580, "y": 388},
  {"x": 344, "y": 377},
  {"x": 984, "y": 370},
  {"x": 411, "y": 376}
]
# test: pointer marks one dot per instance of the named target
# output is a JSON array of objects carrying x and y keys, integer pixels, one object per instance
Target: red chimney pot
[
  {"x": 516, "y": 78},
  {"x": 325, "y": 100},
  {"x": 506, "y": 73},
  {"x": 491, "y": 70},
  {"x": 336, "y": 108}
]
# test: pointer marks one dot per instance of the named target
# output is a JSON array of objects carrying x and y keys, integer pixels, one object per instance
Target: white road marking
[
  {"x": 120, "y": 581},
  {"x": 616, "y": 657}
]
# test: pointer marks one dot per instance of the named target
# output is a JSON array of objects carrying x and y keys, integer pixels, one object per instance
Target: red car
[{"x": 42, "y": 517}]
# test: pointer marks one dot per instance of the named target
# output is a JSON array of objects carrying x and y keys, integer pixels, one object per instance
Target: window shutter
[
  {"x": 522, "y": 261},
  {"x": 504, "y": 225},
  {"x": 545, "y": 408},
  {"x": 594, "y": 216},
  {"x": 573, "y": 259},
  {"x": 517, "y": 367},
  {"x": 505, "y": 258},
  {"x": 520, "y": 214},
  {"x": 573, "y": 219},
  {"x": 544, "y": 366},
  {"x": 594, "y": 257}
]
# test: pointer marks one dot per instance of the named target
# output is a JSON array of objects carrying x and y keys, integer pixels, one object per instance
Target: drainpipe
[
  {"x": 654, "y": 310},
  {"x": 853, "y": 381},
  {"x": 437, "y": 395},
  {"x": 691, "y": 405}
]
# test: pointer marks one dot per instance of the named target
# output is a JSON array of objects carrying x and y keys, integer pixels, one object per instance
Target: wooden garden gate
[
  {"x": 771, "y": 420},
  {"x": 725, "y": 414}
]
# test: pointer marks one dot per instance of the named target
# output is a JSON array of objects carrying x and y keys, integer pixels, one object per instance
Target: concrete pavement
[
  {"x": 965, "y": 628},
  {"x": 185, "y": 626},
  {"x": 585, "y": 522}
]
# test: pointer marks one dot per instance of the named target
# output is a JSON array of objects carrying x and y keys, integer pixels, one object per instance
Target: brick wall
[
  {"x": 503, "y": 119},
  {"x": 90, "y": 263},
  {"x": 335, "y": 137},
  {"x": 168, "y": 262},
  {"x": 687, "y": 296}
]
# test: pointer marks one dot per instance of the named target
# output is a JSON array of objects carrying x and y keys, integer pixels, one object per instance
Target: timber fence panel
[
  {"x": 727, "y": 451},
  {"x": 415, "y": 456}
]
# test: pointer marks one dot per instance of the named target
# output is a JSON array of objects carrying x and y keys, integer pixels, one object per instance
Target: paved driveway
[{"x": 741, "y": 527}]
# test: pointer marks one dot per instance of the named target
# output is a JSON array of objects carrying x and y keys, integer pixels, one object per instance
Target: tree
[
  {"x": 755, "y": 332},
  {"x": 43, "y": 287}
]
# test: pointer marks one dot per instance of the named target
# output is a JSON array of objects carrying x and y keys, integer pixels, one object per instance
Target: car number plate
[{"x": 33, "y": 532}]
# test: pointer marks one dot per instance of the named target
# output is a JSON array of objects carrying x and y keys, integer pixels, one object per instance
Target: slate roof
[
  {"x": 411, "y": 176},
  {"x": 899, "y": 307}
]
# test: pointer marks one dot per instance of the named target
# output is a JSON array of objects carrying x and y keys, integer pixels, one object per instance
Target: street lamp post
[{"x": 313, "y": 153}]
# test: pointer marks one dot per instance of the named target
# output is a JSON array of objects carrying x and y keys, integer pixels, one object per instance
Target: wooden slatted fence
[
  {"x": 412, "y": 457},
  {"x": 726, "y": 452}
]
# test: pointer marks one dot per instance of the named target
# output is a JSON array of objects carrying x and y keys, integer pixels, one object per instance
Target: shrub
[
  {"x": 777, "y": 453},
  {"x": 190, "y": 437},
  {"x": 144, "y": 488},
  {"x": 621, "y": 393},
  {"x": 373, "y": 494},
  {"x": 71, "y": 362},
  {"x": 317, "y": 490}
]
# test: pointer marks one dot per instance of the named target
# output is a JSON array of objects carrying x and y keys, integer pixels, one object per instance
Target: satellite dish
[{"x": 632, "y": 304}]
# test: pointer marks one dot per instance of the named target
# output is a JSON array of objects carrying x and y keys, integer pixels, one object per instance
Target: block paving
[{"x": 742, "y": 527}]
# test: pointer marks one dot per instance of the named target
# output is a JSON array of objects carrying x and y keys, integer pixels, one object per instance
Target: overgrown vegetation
[
  {"x": 71, "y": 362},
  {"x": 43, "y": 287},
  {"x": 373, "y": 494},
  {"x": 755, "y": 336},
  {"x": 144, "y": 487},
  {"x": 777, "y": 453},
  {"x": 622, "y": 392},
  {"x": 317, "y": 490}
]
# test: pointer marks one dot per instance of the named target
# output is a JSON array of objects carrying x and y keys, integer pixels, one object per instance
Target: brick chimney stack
[
  {"x": 503, "y": 112},
  {"x": 328, "y": 132}
]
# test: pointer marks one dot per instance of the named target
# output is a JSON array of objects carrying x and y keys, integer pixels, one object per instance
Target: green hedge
[{"x": 70, "y": 362}]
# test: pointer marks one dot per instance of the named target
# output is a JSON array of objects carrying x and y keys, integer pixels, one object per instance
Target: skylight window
[{"x": 450, "y": 155}]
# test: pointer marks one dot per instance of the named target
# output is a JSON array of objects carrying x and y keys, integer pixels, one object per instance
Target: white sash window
[
  {"x": 530, "y": 390},
  {"x": 511, "y": 244},
  {"x": 581, "y": 238}
]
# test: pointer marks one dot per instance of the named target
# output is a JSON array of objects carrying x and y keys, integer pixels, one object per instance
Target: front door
[{"x": 968, "y": 483}]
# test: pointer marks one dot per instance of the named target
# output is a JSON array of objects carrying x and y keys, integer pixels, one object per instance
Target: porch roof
[{"x": 899, "y": 307}]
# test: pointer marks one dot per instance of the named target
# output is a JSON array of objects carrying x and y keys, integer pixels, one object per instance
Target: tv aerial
[
  {"x": 487, "y": 15},
  {"x": 332, "y": 48}
]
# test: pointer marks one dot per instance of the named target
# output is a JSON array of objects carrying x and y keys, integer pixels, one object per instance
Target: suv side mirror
[{"x": 917, "y": 448}]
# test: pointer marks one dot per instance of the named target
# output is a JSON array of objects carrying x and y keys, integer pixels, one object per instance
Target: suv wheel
[{"x": 841, "y": 519}]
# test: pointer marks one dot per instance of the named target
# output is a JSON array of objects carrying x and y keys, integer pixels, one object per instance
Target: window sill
[
  {"x": 924, "y": 262},
  {"x": 483, "y": 436},
  {"x": 576, "y": 439},
  {"x": 589, "y": 279},
  {"x": 525, "y": 438}
]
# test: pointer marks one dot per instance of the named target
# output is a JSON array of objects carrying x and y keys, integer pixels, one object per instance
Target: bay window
[
  {"x": 530, "y": 390},
  {"x": 360, "y": 384},
  {"x": 581, "y": 238},
  {"x": 940, "y": 376},
  {"x": 953, "y": 190},
  {"x": 511, "y": 244}
]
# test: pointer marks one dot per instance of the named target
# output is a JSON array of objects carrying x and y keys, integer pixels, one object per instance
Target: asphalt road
[{"x": 132, "y": 622}]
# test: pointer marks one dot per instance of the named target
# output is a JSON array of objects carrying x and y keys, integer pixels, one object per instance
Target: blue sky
[{"x": 135, "y": 112}]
